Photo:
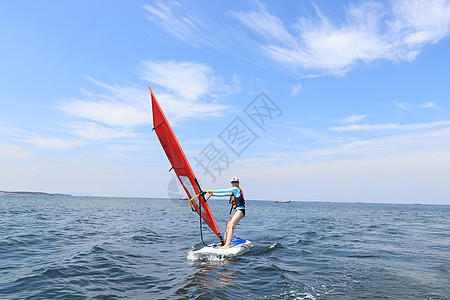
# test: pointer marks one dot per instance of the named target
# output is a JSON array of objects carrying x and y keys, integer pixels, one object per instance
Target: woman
[{"x": 238, "y": 203}]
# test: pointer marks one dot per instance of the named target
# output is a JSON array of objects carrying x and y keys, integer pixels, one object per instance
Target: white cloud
[
  {"x": 34, "y": 139},
  {"x": 86, "y": 92},
  {"x": 187, "y": 84},
  {"x": 116, "y": 110},
  {"x": 296, "y": 89},
  {"x": 369, "y": 33},
  {"x": 411, "y": 106},
  {"x": 432, "y": 105},
  {"x": 126, "y": 148},
  {"x": 92, "y": 130},
  {"x": 186, "y": 79},
  {"x": 420, "y": 22},
  {"x": 106, "y": 112},
  {"x": 429, "y": 105},
  {"x": 52, "y": 143},
  {"x": 12, "y": 131},
  {"x": 117, "y": 106},
  {"x": 178, "y": 109},
  {"x": 353, "y": 119},
  {"x": 402, "y": 105},
  {"x": 179, "y": 22},
  {"x": 433, "y": 140},
  {"x": 132, "y": 95},
  {"x": 310, "y": 134},
  {"x": 266, "y": 25},
  {"x": 12, "y": 152},
  {"x": 391, "y": 126}
]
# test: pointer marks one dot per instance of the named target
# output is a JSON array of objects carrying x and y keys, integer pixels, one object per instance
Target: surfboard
[{"x": 237, "y": 247}]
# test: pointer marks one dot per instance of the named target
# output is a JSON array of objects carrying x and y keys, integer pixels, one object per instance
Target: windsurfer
[{"x": 237, "y": 202}]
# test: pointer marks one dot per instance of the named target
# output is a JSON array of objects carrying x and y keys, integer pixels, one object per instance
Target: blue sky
[{"x": 361, "y": 91}]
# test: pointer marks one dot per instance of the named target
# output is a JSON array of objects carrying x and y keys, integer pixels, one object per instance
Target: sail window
[{"x": 187, "y": 184}]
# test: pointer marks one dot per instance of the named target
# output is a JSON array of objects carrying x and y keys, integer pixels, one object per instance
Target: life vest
[{"x": 237, "y": 201}]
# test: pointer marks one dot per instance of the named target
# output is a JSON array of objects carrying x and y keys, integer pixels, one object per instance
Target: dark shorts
[{"x": 243, "y": 211}]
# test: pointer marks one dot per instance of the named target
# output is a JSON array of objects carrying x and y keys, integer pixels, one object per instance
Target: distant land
[{"x": 22, "y": 193}]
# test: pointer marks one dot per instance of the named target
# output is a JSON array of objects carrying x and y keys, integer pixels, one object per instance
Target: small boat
[{"x": 283, "y": 201}]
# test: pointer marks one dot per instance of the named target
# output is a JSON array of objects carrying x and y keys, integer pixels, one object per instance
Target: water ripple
[{"x": 117, "y": 248}]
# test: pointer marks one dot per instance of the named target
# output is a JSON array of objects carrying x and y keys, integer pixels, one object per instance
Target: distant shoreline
[{"x": 23, "y": 193}]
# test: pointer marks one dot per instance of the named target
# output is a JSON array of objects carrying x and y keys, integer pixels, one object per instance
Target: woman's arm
[{"x": 227, "y": 192}]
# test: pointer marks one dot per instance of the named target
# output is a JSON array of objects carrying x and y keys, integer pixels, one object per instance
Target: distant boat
[{"x": 283, "y": 201}]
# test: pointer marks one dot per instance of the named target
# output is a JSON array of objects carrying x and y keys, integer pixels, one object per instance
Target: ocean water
[{"x": 125, "y": 248}]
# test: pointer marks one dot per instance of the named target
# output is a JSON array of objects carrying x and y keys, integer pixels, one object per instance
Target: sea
[{"x": 56, "y": 247}]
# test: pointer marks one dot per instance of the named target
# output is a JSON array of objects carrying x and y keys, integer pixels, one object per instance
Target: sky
[{"x": 302, "y": 100}]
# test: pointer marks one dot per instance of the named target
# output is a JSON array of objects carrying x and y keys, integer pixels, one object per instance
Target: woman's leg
[{"x": 238, "y": 215}]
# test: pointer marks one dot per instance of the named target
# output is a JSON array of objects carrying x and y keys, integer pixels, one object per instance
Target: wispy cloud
[
  {"x": 429, "y": 141},
  {"x": 29, "y": 137},
  {"x": 186, "y": 79},
  {"x": 115, "y": 114},
  {"x": 266, "y": 25},
  {"x": 390, "y": 126},
  {"x": 423, "y": 141},
  {"x": 429, "y": 105},
  {"x": 179, "y": 110},
  {"x": 11, "y": 152},
  {"x": 353, "y": 119},
  {"x": 52, "y": 143},
  {"x": 296, "y": 89},
  {"x": 126, "y": 148},
  {"x": 369, "y": 33},
  {"x": 73, "y": 134},
  {"x": 401, "y": 105},
  {"x": 417, "y": 23},
  {"x": 180, "y": 22},
  {"x": 120, "y": 106},
  {"x": 415, "y": 106},
  {"x": 95, "y": 131},
  {"x": 187, "y": 88},
  {"x": 432, "y": 105},
  {"x": 311, "y": 134}
]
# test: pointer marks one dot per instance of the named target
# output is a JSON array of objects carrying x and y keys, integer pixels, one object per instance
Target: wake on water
[
  {"x": 194, "y": 255},
  {"x": 210, "y": 253},
  {"x": 206, "y": 257}
]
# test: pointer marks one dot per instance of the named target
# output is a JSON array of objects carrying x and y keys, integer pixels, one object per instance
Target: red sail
[{"x": 180, "y": 164}]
